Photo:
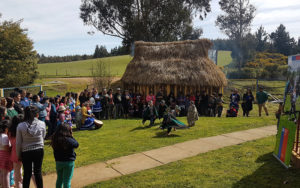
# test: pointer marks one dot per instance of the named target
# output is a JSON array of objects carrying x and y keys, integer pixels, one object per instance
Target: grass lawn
[
  {"x": 123, "y": 137},
  {"x": 224, "y": 58},
  {"x": 250, "y": 165},
  {"x": 83, "y": 68},
  {"x": 275, "y": 88}
]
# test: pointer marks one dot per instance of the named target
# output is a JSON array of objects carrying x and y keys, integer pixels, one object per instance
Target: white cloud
[{"x": 56, "y": 29}]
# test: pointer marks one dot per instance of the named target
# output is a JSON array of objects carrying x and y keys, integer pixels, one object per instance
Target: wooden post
[
  {"x": 168, "y": 89},
  {"x": 2, "y": 92},
  {"x": 175, "y": 90},
  {"x": 147, "y": 90}
]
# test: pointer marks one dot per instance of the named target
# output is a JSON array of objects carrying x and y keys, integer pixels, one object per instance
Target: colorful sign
[
  {"x": 285, "y": 140},
  {"x": 287, "y": 123}
]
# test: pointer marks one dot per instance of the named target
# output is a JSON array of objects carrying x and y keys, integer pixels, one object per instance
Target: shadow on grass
[
  {"x": 270, "y": 174},
  {"x": 144, "y": 127},
  {"x": 140, "y": 128},
  {"x": 164, "y": 135}
]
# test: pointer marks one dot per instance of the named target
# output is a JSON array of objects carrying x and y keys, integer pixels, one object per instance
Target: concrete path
[{"x": 149, "y": 159}]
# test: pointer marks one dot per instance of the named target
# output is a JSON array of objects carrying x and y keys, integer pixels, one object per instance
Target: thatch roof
[{"x": 178, "y": 63}]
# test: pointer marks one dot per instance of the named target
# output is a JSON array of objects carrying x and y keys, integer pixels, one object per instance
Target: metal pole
[{"x": 297, "y": 136}]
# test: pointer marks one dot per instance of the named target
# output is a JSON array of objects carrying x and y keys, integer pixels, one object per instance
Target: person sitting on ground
[
  {"x": 88, "y": 119},
  {"x": 232, "y": 112},
  {"x": 262, "y": 98},
  {"x": 150, "y": 113},
  {"x": 192, "y": 114}
]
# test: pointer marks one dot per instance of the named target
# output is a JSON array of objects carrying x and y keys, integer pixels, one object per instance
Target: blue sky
[{"x": 56, "y": 29}]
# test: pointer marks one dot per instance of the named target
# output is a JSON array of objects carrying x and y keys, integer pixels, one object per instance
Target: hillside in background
[
  {"x": 83, "y": 68},
  {"x": 117, "y": 65},
  {"x": 224, "y": 58}
]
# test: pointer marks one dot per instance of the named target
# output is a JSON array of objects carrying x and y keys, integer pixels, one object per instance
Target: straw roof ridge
[{"x": 189, "y": 49}]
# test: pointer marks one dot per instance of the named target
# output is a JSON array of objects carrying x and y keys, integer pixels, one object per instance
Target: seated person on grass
[
  {"x": 150, "y": 113},
  {"x": 88, "y": 121}
]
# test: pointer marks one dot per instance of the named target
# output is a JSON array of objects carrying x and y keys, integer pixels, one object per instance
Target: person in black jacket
[
  {"x": 63, "y": 145},
  {"x": 247, "y": 104},
  {"x": 17, "y": 99},
  {"x": 118, "y": 104}
]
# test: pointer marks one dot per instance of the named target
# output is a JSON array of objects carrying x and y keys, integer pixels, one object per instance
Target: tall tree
[
  {"x": 282, "y": 42},
  {"x": 131, "y": 20},
  {"x": 96, "y": 53},
  {"x": 262, "y": 39},
  {"x": 236, "y": 22},
  {"x": 18, "y": 60}
]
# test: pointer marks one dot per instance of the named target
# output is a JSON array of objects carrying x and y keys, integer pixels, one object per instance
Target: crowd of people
[{"x": 24, "y": 118}]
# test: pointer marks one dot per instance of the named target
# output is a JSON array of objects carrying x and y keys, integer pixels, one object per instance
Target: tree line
[{"x": 100, "y": 51}]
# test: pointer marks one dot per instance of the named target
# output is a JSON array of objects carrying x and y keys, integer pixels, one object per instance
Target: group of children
[
  {"x": 22, "y": 132},
  {"x": 21, "y": 144}
]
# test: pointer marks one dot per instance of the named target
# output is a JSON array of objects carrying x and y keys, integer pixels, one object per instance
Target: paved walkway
[{"x": 149, "y": 159}]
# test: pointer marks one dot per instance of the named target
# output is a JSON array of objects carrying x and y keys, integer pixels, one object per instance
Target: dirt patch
[{"x": 80, "y": 80}]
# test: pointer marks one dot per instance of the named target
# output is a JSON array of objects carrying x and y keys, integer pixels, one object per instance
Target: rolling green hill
[
  {"x": 83, "y": 68},
  {"x": 117, "y": 65},
  {"x": 224, "y": 58}
]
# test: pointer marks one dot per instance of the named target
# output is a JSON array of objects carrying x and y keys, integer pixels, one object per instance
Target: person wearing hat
[
  {"x": 262, "y": 98},
  {"x": 61, "y": 115}
]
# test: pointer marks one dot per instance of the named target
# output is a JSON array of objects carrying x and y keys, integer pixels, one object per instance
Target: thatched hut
[{"x": 175, "y": 66}]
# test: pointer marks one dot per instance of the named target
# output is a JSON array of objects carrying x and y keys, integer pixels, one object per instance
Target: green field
[
  {"x": 224, "y": 58},
  {"x": 127, "y": 136},
  {"x": 117, "y": 65},
  {"x": 249, "y": 165},
  {"x": 83, "y": 68}
]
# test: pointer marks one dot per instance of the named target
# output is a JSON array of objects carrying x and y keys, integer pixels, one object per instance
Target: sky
[{"x": 56, "y": 29}]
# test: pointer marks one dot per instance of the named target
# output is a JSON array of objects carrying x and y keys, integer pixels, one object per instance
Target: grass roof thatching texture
[{"x": 178, "y": 63}]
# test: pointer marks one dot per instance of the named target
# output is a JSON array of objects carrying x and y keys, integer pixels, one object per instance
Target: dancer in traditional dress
[
  {"x": 88, "y": 119},
  {"x": 192, "y": 115}
]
